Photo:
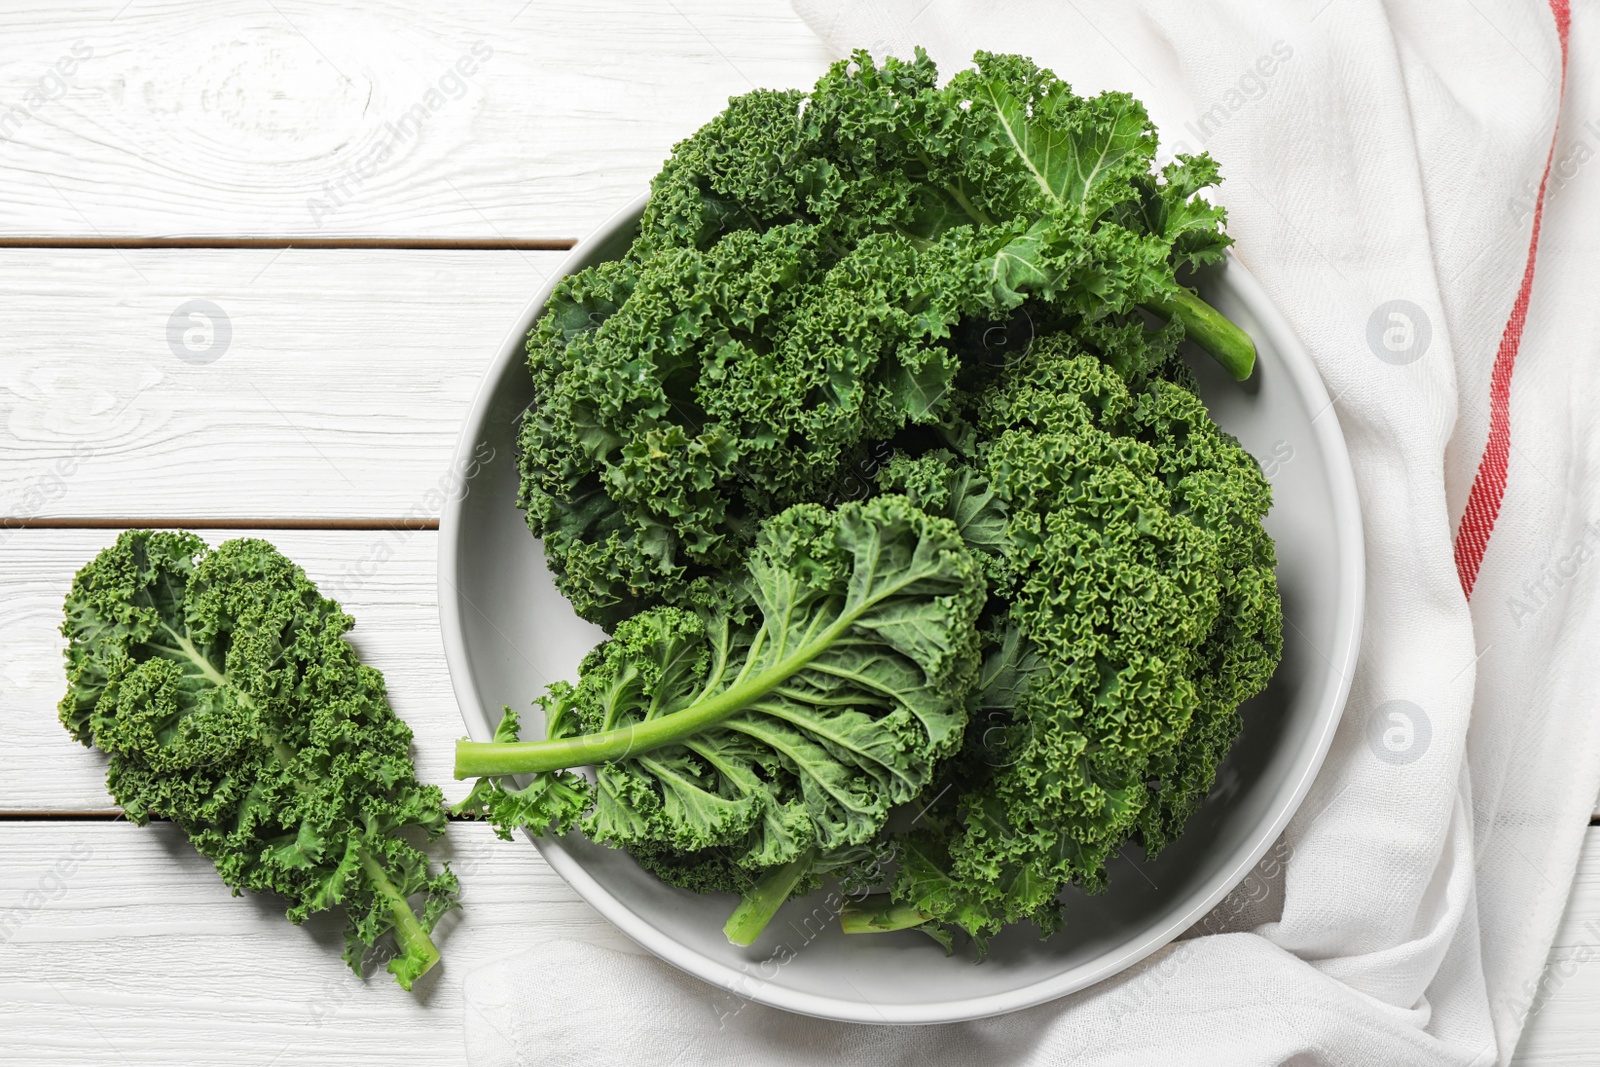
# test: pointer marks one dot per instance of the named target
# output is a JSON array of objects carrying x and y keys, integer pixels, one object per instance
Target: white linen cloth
[{"x": 1373, "y": 153}]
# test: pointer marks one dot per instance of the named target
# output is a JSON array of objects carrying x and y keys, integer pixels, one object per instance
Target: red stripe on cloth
[{"x": 1489, "y": 485}]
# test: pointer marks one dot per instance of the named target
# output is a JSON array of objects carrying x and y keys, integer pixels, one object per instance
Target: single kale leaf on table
[{"x": 221, "y": 687}]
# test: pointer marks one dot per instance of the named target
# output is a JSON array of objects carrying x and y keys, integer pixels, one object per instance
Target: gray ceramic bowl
[{"x": 507, "y": 633}]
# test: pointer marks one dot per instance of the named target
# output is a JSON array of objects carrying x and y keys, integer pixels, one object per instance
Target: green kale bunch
[
  {"x": 808, "y": 279},
  {"x": 221, "y": 687},
  {"x": 969, "y": 295}
]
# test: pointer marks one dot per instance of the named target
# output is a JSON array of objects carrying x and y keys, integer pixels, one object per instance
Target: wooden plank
[
  {"x": 385, "y": 579},
  {"x": 394, "y": 119},
  {"x": 336, "y": 388},
  {"x": 120, "y": 945},
  {"x": 1563, "y": 1028}
]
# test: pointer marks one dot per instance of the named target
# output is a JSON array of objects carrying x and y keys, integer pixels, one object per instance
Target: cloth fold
[{"x": 1396, "y": 178}]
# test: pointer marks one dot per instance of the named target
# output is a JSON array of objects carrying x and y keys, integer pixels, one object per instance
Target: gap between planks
[
  {"x": 122, "y": 816},
  {"x": 404, "y": 244},
  {"x": 216, "y": 524}
]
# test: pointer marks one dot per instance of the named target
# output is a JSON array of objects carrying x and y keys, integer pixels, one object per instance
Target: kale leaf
[
  {"x": 783, "y": 718},
  {"x": 1133, "y": 608},
  {"x": 221, "y": 687}
]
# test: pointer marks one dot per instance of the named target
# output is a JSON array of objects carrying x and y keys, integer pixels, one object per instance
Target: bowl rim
[{"x": 1350, "y": 557}]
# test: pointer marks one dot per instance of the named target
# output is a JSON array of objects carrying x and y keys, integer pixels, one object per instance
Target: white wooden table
[{"x": 368, "y": 192}]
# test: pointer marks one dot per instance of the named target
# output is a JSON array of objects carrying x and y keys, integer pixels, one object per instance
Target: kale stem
[
  {"x": 187, "y": 650},
  {"x": 475, "y": 759},
  {"x": 762, "y": 900},
  {"x": 878, "y": 914},
  {"x": 1207, "y": 327},
  {"x": 417, "y": 951}
]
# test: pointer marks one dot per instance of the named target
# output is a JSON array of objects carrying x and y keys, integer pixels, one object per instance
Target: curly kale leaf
[
  {"x": 789, "y": 715},
  {"x": 221, "y": 687},
  {"x": 805, "y": 269},
  {"x": 1133, "y": 607},
  {"x": 1102, "y": 235}
]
